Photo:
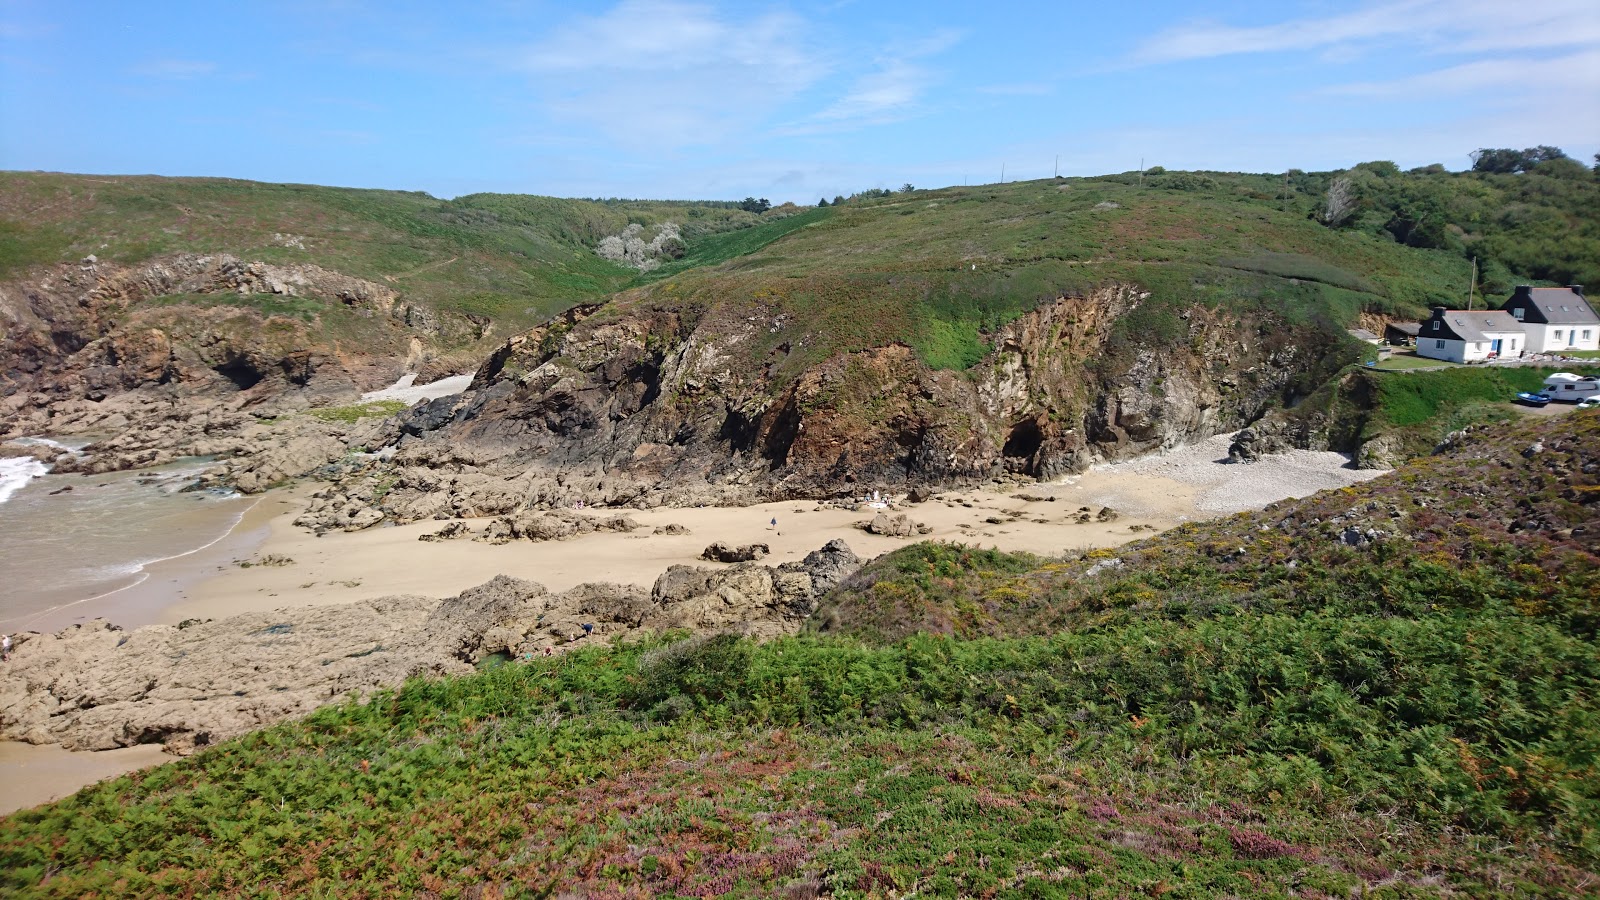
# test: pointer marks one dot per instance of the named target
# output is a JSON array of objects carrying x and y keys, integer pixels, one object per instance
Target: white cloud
[
  {"x": 892, "y": 88},
  {"x": 667, "y": 74},
  {"x": 1461, "y": 26},
  {"x": 1512, "y": 77},
  {"x": 175, "y": 68},
  {"x": 1017, "y": 90},
  {"x": 888, "y": 93}
]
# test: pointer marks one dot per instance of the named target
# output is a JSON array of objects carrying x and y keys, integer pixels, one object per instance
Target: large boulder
[
  {"x": 728, "y": 553},
  {"x": 551, "y": 525},
  {"x": 826, "y": 567}
]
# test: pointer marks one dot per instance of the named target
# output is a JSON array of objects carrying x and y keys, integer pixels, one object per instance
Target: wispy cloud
[
  {"x": 887, "y": 93},
  {"x": 1032, "y": 89},
  {"x": 670, "y": 74},
  {"x": 1439, "y": 25},
  {"x": 175, "y": 68},
  {"x": 1576, "y": 71}
]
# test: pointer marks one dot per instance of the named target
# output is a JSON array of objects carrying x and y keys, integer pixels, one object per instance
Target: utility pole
[
  {"x": 1472, "y": 283},
  {"x": 1002, "y": 173},
  {"x": 1058, "y": 165},
  {"x": 1141, "y": 171}
]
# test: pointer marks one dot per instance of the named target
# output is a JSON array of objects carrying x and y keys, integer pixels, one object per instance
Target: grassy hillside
[
  {"x": 512, "y": 258},
  {"x": 1249, "y": 707},
  {"x": 940, "y": 269},
  {"x": 936, "y": 269}
]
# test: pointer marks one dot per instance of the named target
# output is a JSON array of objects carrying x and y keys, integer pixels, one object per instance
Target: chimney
[
  {"x": 1439, "y": 311},
  {"x": 1576, "y": 289}
]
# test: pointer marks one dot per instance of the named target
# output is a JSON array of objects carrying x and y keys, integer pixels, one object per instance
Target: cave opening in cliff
[
  {"x": 239, "y": 371},
  {"x": 1024, "y": 440}
]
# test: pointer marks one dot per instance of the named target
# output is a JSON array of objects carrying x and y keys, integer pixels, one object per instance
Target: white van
[{"x": 1570, "y": 388}]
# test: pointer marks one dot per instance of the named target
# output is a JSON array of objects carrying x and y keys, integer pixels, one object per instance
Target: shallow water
[{"x": 64, "y": 554}]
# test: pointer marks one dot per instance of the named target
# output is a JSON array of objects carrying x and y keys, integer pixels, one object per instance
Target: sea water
[{"x": 65, "y": 555}]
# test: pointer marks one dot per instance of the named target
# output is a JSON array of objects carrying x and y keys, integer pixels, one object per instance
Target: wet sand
[{"x": 33, "y": 774}]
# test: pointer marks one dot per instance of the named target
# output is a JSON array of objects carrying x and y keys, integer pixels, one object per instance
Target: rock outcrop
[
  {"x": 647, "y": 405},
  {"x": 729, "y": 553},
  {"x": 554, "y": 525},
  {"x": 894, "y": 526},
  {"x": 95, "y": 687}
]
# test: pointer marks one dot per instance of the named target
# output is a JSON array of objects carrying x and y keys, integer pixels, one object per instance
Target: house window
[
  {"x": 1513, "y": 343},
  {"x": 1438, "y": 345},
  {"x": 1558, "y": 334},
  {"x": 1478, "y": 345},
  {"x": 1518, "y": 313},
  {"x": 1435, "y": 324},
  {"x": 1586, "y": 334}
]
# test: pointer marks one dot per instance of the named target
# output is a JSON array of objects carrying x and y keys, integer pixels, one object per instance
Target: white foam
[
  {"x": 139, "y": 569},
  {"x": 16, "y": 473}
]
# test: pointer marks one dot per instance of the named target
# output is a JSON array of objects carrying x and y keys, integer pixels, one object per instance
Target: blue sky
[{"x": 706, "y": 100}]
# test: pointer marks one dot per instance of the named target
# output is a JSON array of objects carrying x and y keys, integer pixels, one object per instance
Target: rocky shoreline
[{"x": 185, "y": 686}]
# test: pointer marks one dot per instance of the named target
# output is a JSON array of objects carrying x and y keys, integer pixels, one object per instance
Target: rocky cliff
[
  {"x": 657, "y": 404},
  {"x": 198, "y": 354}
]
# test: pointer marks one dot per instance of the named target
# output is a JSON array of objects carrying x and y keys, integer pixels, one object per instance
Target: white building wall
[
  {"x": 1512, "y": 343},
  {"x": 1556, "y": 338},
  {"x": 1452, "y": 351}
]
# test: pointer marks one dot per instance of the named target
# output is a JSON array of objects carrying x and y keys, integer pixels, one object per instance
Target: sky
[{"x": 796, "y": 101}]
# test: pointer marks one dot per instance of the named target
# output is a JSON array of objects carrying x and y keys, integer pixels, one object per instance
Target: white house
[
  {"x": 1461, "y": 335},
  {"x": 1555, "y": 319}
]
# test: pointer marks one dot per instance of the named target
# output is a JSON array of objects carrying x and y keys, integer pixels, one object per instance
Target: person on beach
[
  {"x": 774, "y": 524},
  {"x": 5, "y": 648}
]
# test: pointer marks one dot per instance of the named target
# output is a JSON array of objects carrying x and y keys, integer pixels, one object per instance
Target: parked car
[
  {"x": 1591, "y": 403},
  {"x": 1536, "y": 400}
]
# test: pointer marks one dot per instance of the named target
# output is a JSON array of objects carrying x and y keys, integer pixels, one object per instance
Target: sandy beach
[{"x": 1150, "y": 494}]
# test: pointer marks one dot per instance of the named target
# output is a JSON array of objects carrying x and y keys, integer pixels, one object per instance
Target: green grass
[
  {"x": 715, "y": 249},
  {"x": 1423, "y": 397},
  {"x": 516, "y": 259},
  {"x": 358, "y": 411},
  {"x": 1396, "y": 362},
  {"x": 941, "y": 270},
  {"x": 306, "y": 309},
  {"x": 1244, "y": 707}
]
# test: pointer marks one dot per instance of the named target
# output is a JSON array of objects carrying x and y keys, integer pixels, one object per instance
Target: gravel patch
[
  {"x": 408, "y": 393},
  {"x": 1237, "y": 487}
]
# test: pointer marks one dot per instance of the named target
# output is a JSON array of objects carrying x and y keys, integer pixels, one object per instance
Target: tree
[
  {"x": 838, "y": 199},
  {"x": 1341, "y": 202},
  {"x": 1504, "y": 161},
  {"x": 906, "y": 188},
  {"x": 751, "y": 204},
  {"x": 823, "y": 202}
]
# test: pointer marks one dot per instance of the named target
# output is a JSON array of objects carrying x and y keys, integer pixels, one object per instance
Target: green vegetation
[
  {"x": 306, "y": 309},
  {"x": 1418, "y": 408},
  {"x": 1402, "y": 363},
  {"x": 514, "y": 258},
  {"x": 940, "y": 270},
  {"x": 720, "y": 248},
  {"x": 1250, "y": 706},
  {"x": 353, "y": 413}
]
